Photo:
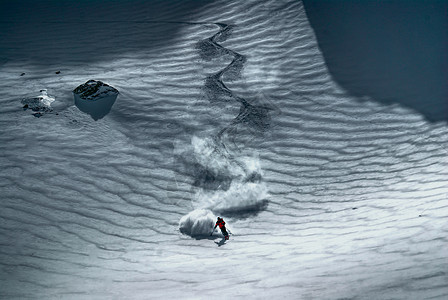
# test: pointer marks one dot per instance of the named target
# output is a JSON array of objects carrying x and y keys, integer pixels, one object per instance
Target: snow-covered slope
[{"x": 327, "y": 196}]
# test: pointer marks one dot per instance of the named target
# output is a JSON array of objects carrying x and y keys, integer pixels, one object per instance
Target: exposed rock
[
  {"x": 95, "y": 98},
  {"x": 40, "y": 104},
  {"x": 93, "y": 90}
]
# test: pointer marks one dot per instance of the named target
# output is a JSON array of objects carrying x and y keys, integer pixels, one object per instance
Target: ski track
[{"x": 358, "y": 190}]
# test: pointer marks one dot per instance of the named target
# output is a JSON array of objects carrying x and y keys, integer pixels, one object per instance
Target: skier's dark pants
[{"x": 224, "y": 231}]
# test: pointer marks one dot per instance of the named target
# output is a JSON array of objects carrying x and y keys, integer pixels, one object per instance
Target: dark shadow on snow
[
  {"x": 204, "y": 237},
  {"x": 221, "y": 242},
  {"x": 207, "y": 237},
  {"x": 103, "y": 29},
  {"x": 97, "y": 109},
  {"x": 392, "y": 51}
]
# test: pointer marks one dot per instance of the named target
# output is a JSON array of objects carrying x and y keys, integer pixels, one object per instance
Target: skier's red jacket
[{"x": 220, "y": 223}]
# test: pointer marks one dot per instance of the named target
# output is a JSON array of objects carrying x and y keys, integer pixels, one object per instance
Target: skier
[{"x": 222, "y": 226}]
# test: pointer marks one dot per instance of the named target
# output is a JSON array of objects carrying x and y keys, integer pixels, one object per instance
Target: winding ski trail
[{"x": 255, "y": 117}]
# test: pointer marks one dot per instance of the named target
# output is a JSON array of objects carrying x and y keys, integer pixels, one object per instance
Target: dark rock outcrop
[
  {"x": 40, "y": 104},
  {"x": 95, "y": 98}
]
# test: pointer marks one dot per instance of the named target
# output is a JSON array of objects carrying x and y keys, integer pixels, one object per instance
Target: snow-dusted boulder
[
  {"x": 95, "y": 98},
  {"x": 94, "y": 90},
  {"x": 40, "y": 104},
  {"x": 197, "y": 223}
]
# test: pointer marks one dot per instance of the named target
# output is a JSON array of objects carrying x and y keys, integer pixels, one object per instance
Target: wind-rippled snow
[{"x": 333, "y": 198}]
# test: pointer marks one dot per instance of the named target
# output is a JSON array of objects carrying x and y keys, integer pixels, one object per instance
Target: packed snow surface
[{"x": 226, "y": 109}]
